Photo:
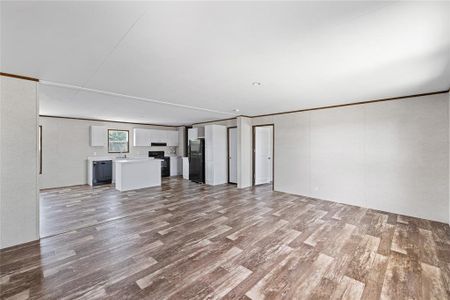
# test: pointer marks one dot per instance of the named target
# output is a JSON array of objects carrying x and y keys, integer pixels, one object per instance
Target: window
[{"x": 118, "y": 141}]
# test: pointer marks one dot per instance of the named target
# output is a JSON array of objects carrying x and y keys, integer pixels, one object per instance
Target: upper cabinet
[
  {"x": 98, "y": 136},
  {"x": 192, "y": 134},
  {"x": 143, "y": 137},
  {"x": 157, "y": 136},
  {"x": 172, "y": 138},
  {"x": 196, "y": 133}
]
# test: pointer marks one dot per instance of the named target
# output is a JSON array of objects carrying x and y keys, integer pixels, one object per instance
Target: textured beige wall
[
  {"x": 392, "y": 155},
  {"x": 19, "y": 206},
  {"x": 66, "y": 148}
]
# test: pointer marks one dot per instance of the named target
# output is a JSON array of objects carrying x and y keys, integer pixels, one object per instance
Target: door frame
[
  {"x": 228, "y": 154},
  {"x": 254, "y": 149}
]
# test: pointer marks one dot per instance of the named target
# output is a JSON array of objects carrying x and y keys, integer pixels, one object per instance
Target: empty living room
[{"x": 225, "y": 150}]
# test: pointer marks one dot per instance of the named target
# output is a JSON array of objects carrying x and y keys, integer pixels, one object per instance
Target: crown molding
[
  {"x": 227, "y": 119},
  {"x": 330, "y": 106},
  {"x": 18, "y": 76},
  {"x": 110, "y": 121}
]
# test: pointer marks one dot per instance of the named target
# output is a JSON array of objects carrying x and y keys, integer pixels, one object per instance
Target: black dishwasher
[{"x": 101, "y": 172}]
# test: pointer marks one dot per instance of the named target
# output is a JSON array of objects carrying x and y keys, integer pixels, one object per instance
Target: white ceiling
[{"x": 184, "y": 62}]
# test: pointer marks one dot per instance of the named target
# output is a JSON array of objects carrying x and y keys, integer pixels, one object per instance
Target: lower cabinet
[
  {"x": 185, "y": 168},
  {"x": 176, "y": 166}
]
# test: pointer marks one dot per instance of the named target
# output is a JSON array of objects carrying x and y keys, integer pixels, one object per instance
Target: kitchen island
[{"x": 139, "y": 173}]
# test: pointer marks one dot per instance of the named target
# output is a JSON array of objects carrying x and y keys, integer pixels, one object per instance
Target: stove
[{"x": 165, "y": 164}]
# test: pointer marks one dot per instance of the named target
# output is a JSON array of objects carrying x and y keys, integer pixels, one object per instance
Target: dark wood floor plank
[{"x": 190, "y": 241}]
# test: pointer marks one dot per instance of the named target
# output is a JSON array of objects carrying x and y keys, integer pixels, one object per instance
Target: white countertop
[
  {"x": 121, "y": 161},
  {"x": 94, "y": 158},
  {"x": 114, "y": 158},
  {"x": 136, "y": 160}
]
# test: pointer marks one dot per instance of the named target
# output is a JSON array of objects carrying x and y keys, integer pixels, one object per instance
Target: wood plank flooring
[{"x": 189, "y": 241}]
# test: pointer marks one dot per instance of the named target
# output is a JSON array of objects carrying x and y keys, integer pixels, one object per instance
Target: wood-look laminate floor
[{"x": 190, "y": 241}]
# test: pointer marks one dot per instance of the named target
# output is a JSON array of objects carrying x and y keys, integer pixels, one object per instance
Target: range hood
[{"x": 158, "y": 144}]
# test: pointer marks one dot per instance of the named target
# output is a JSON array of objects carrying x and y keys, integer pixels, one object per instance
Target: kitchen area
[
  {"x": 90, "y": 152},
  {"x": 95, "y": 171},
  {"x": 129, "y": 172},
  {"x": 205, "y": 160}
]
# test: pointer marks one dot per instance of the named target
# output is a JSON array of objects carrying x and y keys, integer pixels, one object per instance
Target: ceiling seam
[
  {"x": 83, "y": 86},
  {"x": 105, "y": 58},
  {"x": 108, "y": 93}
]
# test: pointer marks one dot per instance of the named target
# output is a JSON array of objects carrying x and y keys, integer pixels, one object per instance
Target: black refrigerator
[{"x": 197, "y": 160}]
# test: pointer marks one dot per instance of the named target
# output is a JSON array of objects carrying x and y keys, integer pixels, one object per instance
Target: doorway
[
  {"x": 263, "y": 150},
  {"x": 232, "y": 154}
]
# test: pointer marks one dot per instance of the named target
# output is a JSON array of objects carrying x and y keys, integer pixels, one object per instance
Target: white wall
[
  {"x": 392, "y": 155},
  {"x": 244, "y": 152},
  {"x": 65, "y": 146},
  {"x": 19, "y": 207}
]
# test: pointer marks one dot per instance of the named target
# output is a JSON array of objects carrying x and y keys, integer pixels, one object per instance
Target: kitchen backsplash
[{"x": 168, "y": 151}]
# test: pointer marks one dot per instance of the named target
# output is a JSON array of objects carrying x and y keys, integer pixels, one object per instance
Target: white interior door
[
  {"x": 232, "y": 150},
  {"x": 263, "y": 154}
]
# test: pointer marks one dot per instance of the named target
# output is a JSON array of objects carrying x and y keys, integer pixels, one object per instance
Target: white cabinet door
[
  {"x": 185, "y": 168},
  {"x": 192, "y": 134},
  {"x": 154, "y": 136},
  {"x": 215, "y": 154},
  {"x": 144, "y": 137},
  {"x": 162, "y": 136},
  {"x": 200, "y": 132},
  {"x": 158, "y": 136},
  {"x": 209, "y": 155},
  {"x": 175, "y": 163},
  {"x": 172, "y": 138},
  {"x": 196, "y": 133},
  {"x": 209, "y": 143},
  {"x": 141, "y": 137},
  {"x": 98, "y": 136},
  {"x": 180, "y": 165},
  {"x": 232, "y": 152}
]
